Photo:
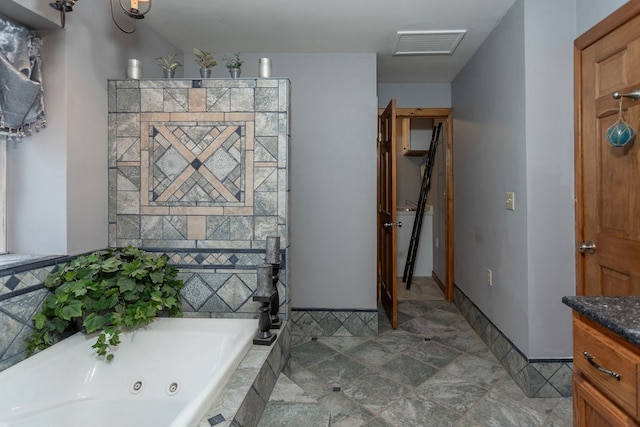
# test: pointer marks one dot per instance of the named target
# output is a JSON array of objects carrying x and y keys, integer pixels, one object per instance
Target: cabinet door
[{"x": 592, "y": 409}]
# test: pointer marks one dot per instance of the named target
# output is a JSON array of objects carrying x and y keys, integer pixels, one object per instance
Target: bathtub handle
[{"x": 393, "y": 224}]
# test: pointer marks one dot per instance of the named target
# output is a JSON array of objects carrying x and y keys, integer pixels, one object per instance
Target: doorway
[{"x": 391, "y": 121}]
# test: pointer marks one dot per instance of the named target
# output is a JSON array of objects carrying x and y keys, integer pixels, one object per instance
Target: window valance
[{"x": 21, "y": 91}]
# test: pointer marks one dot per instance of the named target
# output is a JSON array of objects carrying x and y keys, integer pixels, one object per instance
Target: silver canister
[
  {"x": 264, "y": 67},
  {"x": 134, "y": 69}
]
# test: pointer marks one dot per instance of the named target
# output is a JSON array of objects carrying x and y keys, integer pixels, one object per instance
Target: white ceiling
[{"x": 303, "y": 26}]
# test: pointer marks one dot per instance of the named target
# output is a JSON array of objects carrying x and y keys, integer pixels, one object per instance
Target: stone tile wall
[
  {"x": 536, "y": 378},
  {"x": 21, "y": 294},
  {"x": 334, "y": 323},
  {"x": 198, "y": 169}
]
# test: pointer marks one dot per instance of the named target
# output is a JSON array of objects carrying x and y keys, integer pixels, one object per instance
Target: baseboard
[{"x": 536, "y": 377}]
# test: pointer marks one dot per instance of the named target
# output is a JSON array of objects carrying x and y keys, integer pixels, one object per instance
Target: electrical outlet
[
  {"x": 510, "y": 201},
  {"x": 489, "y": 277}
]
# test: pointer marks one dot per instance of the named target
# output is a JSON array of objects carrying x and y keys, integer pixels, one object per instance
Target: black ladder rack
[{"x": 422, "y": 203}]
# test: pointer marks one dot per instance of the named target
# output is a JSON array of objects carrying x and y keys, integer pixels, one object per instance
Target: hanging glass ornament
[{"x": 620, "y": 133}]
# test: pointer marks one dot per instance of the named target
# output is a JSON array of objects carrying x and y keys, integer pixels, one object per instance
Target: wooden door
[
  {"x": 387, "y": 218},
  {"x": 608, "y": 178}
]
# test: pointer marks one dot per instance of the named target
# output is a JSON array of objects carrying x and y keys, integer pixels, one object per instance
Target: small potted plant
[
  {"x": 168, "y": 64},
  {"x": 205, "y": 61},
  {"x": 234, "y": 64},
  {"x": 105, "y": 292}
]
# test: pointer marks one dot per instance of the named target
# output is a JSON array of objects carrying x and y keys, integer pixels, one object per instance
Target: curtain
[{"x": 21, "y": 91}]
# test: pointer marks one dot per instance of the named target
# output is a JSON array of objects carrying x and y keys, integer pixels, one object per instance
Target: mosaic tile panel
[
  {"x": 338, "y": 323},
  {"x": 198, "y": 163},
  {"x": 536, "y": 378},
  {"x": 198, "y": 169}
]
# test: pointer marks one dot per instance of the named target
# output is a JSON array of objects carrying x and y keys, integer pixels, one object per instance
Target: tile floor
[{"x": 422, "y": 374}]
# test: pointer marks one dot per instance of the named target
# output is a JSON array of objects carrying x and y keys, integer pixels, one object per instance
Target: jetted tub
[{"x": 166, "y": 374}]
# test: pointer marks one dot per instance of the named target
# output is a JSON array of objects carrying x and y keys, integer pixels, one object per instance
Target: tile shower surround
[{"x": 198, "y": 169}]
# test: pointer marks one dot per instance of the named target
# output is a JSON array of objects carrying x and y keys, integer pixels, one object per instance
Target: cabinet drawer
[{"x": 609, "y": 355}]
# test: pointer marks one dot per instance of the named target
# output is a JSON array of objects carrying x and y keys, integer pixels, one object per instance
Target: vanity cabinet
[{"x": 606, "y": 376}]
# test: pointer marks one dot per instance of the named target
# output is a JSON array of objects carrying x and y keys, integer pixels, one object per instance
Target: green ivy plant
[{"x": 105, "y": 292}]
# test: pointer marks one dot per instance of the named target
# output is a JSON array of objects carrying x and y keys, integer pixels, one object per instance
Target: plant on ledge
[
  {"x": 234, "y": 61},
  {"x": 167, "y": 62},
  {"x": 106, "y": 292},
  {"x": 204, "y": 59}
]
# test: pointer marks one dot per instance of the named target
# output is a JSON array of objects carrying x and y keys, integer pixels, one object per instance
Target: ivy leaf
[
  {"x": 93, "y": 322},
  {"x": 126, "y": 284},
  {"x": 110, "y": 265},
  {"x": 157, "y": 276},
  {"x": 133, "y": 269},
  {"x": 73, "y": 309},
  {"x": 102, "y": 304},
  {"x": 58, "y": 325},
  {"x": 156, "y": 296},
  {"x": 39, "y": 320}
]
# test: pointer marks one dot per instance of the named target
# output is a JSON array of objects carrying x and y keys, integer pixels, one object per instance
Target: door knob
[
  {"x": 393, "y": 224},
  {"x": 587, "y": 247}
]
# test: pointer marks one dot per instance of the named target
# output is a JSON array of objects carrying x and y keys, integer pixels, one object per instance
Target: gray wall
[
  {"x": 332, "y": 176},
  {"x": 489, "y": 158},
  {"x": 550, "y": 179},
  {"x": 333, "y": 179},
  {"x": 514, "y": 132},
  {"x": 415, "y": 95},
  {"x": 590, "y": 12}
]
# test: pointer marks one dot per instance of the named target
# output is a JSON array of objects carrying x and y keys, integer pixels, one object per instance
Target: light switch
[{"x": 510, "y": 201}]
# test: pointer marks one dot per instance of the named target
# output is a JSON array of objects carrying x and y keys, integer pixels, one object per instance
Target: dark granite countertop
[{"x": 621, "y": 315}]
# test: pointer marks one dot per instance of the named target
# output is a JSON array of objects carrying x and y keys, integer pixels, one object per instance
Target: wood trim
[
  {"x": 444, "y": 114},
  {"x": 423, "y": 112},
  {"x": 438, "y": 282},
  {"x": 623, "y": 14},
  {"x": 578, "y": 170},
  {"x": 449, "y": 209},
  {"x": 420, "y": 112}
]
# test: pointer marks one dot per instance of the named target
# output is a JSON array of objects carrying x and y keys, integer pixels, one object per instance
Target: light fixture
[
  {"x": 63, "y": 6},
  {"x": 132, "y": 10}
]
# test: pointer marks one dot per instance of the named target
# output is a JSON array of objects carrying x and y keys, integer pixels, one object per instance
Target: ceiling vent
[{"x": 428, "y": 42}]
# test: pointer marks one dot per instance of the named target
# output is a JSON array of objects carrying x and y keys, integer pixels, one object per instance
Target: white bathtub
[{"x": 166, "y": 374}]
